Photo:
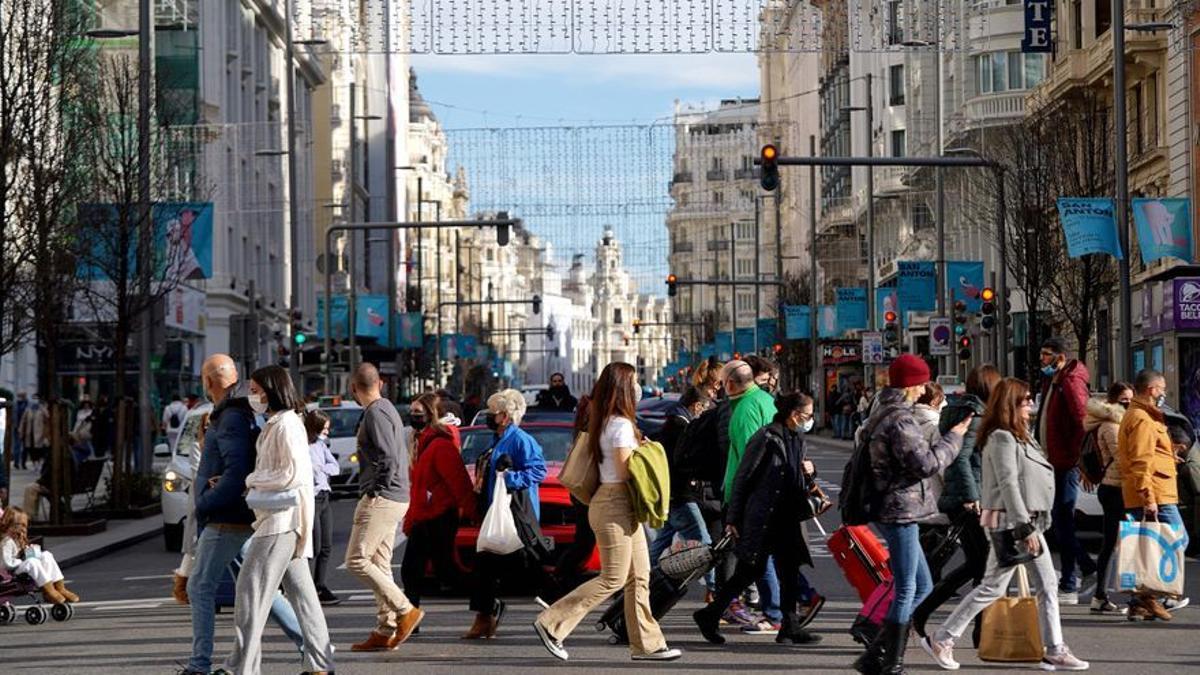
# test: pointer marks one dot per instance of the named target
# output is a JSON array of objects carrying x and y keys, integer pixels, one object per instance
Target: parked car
[
  {"x": 652, "y": 413},
  {"x": 178, "y": 477},
  {"x": 531, "y": 392},
  {"x": 557, "y": 511}
]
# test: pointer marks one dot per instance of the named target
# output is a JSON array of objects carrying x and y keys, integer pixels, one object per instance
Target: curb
[{"x": 111, "y": 547}]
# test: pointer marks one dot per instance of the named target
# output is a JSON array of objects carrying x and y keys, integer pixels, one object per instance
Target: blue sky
[{"x": 510, "y": 91}]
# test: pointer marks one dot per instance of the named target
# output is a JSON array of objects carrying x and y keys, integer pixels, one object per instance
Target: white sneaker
[
  {"x": 1063, "y": 659},
  {"x": 1068, "y": 597},
  {"x": 942, "y": 653},
  {"x": 540, "y": 602},
  {"x": 1171, "y": 605},
  {"x": 1102, "y": 606},
  {"x": 664, "y": 654},
  {"x": 553, "y": 646}
]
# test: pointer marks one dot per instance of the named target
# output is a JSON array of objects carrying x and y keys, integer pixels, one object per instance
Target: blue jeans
[
  {"x": 1070, "y": 551},
  {"x": 910, "y": 571},
  {"x": 841, "y": 426},
  {"x": 768, "y": 592},
  {"x": 686, "y": 521},
  {"x": 217, "y": 551},
  {"x": 1167, "y": 513}
]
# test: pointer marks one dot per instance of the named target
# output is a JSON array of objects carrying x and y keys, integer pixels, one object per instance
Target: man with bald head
[
  {"x": 222, "y": 517},
  {"x": 383, "y": 489}
]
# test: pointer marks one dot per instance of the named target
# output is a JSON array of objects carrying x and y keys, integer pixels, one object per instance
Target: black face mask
[
  {"x": 418, "y": 422},
  {"x": 491, "y": 422}
]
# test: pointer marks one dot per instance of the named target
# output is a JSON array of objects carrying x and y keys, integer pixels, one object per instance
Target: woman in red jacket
[{"x": 441, "y": 493}]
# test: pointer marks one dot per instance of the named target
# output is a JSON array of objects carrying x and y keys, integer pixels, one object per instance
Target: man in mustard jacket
[{"x": 1147, "y": 461}]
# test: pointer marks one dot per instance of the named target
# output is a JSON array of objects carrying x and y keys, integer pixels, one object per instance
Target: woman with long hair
[
  {"x": 441, "y": 494},
  {"x": 624, "y": 559},
  {"x": 1017, "y": 495},
  {"x": 960, "y": 492},
  {"x": 281, "y": 494}
]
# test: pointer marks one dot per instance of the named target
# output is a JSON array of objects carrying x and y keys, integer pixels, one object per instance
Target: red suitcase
[{"x": 861, "y": 556}]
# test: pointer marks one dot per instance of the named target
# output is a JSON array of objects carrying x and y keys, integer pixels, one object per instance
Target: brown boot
[
  {"x": 405, "y": 625},
  {"x": 179, "y": 592},
  {"x": 375, "y": 642},
  {"x": 483, "y": 628},
  {"x": 62, "y": 590},
  {"x": 1155, "y": 608},
  {"x": 51, "y": 595}
]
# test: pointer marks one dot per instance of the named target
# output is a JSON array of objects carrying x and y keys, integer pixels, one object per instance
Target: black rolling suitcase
[{"x": 665, "y": 592}]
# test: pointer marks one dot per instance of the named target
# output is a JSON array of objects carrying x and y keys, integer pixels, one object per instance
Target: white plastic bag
[{"x": 498, "y": 533}]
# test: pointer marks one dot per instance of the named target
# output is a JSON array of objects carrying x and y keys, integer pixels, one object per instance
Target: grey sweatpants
[{"x": 269, "y": 562}]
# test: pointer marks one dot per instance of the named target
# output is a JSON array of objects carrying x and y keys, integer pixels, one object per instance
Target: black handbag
[{"x": 1010, "y": 549}]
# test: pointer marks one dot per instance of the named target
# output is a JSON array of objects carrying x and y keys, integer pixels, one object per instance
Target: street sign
[
  {"x": 941, "y": 336},
  {"x": 872, "y": 347}
]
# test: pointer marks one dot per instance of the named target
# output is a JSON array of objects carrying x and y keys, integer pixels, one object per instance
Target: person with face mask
[
  {"x": 557, "y": 396},
  {"x": 442, "y": 495},
  {"x": 325, "y": 466},
  {"x": 1059, "y": 428},
  {"x": 765, "y": 516},
  {"x": 1104, "y": 416}
]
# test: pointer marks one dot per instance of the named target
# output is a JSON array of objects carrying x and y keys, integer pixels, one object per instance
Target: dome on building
[{"x": 418, "y": 108}]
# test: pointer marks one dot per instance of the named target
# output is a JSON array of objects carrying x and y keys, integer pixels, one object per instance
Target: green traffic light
[{"x": 300, "y": 338}]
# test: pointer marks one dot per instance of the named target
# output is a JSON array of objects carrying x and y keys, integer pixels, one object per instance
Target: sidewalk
[{"x": 76, "y": 550}]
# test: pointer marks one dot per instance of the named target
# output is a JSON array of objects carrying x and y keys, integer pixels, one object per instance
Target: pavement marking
[
  {"x": 118, "y": 608},
  {"x": 148, "y": 577}
]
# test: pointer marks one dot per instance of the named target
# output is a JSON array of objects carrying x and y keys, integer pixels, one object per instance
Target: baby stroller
[{"x": 20, "y": 586}]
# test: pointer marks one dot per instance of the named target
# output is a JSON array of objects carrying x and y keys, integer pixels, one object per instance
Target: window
[
  {"x": 895, "y": 23},
  {"x": 999, "y": 76},
  {"x": 897, "y": 143},
  {"x": 1016, "y": 73},
  {"x": 1103, "y": 13},
  {"x": 745, "y": 302},
  {"x": 617, "y": 315},
  {"x": 747, "y": 163},
  {"x": 1035, "y": 69},
  {"x": 717, "y": 163},
  {"x": 745, "y": 230},
  {"x": 896, "y": 84},
  {"x": 998, "y": 72},
  {"x": 718, "y": 197},
  {"x": 745, "y": 268}
]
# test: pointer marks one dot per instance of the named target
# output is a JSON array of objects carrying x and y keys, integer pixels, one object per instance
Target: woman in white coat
[{"x": 280, "y": 491}]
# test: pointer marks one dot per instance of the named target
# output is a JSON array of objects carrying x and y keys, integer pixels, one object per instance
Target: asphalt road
[{"x": 128, "y": 623}]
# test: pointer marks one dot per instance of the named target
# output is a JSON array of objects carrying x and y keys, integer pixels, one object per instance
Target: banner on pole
[
  {"x": 917, "y": 287},
  {"x": 965, "y": 280},
  {"x": 827, "y": 322},
  {"x": 767, "y": 333},
  {"x": 1089, "y": 226},
  {"x": 744, "y": 341},
  {"x": 796, "y": 320},
  {"x": 1164, "y": 228},
  {"x": 851, "y": 309},
  {"x": 724, "y": 345}
]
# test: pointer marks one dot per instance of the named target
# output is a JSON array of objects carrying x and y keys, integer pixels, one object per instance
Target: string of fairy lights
[{"x": 551, "y": 27}]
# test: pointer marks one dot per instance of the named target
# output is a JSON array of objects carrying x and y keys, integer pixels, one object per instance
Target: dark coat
[
  {"x": 963, "y": 476},
  {"x": 903, "y": 460},
  {"x": 228, "y": 456},
  {"x": 685, "y": 486},
  {"x": 767, "y": 493}
]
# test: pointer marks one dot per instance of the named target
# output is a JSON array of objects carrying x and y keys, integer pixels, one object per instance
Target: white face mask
[
  {"x": 258, "y": 405},
  {"x": 807, "y": 426}
]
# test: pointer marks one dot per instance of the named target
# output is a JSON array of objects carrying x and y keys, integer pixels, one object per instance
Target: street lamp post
[{"x": 869, "y": 109}]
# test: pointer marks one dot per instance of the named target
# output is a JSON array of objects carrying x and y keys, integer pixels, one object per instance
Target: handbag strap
[{"x": 1022, "y": 583}]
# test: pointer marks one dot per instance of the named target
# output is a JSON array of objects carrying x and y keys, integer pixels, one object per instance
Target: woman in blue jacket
[{"x": 520, "y": 457}]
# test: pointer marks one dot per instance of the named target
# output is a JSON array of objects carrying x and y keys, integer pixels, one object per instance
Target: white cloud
[{"x": 732, "y": 73}]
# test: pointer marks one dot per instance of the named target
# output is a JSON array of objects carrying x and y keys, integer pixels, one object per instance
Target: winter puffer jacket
[
  {"x": 1106, "y": 417},
  {"x": 965, "y": 473},
  {"x": 903, "y": 460}
]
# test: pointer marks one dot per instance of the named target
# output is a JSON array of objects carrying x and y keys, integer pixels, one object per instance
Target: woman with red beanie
[
  {"x": 903, "y": 459},
  {"x": 441, "y": 494}
]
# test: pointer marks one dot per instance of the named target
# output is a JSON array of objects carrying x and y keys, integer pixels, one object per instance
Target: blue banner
[
  {"x": 1089, "y": 226},
  {"x": 724, "y": 345},
  {"x": 708, "y": 349},
  {"x": 768, "y": 333},
  {"x": 851, "y": 309},
  {"x": 1164, "y": 228},
  {"x": 744, "y": 344},
  {"x": 182, "y": 240},
  {"x": 458, "y": 346},
  {"x": 917, "y": 285},
  {"x": 965, "y": 281},
  {"x": 410, "y": 330},
  {"x": 796, "y": 322},
  {"x": 1036, "y": 38},
  {"x": 827, "y": 322},
  {"x": 370, "y": 317},
  {"x": 887, "y": 300},
  {"x": 339, "y": 318}
]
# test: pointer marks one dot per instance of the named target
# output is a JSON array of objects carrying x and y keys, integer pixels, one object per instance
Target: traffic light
[
  {"x": 637, "y": 326},
  {"x": 988, "y": 309},
  {"x": 537, "y": 304},
  {"x": 777, "y": 348},
  {"x": 960, "y": 318},
  {"x": 672, "y": 290},
  {"x": 769, "y": 176},
  {"x": 964, "y": 348},
  {"x": 502, "y": 230},
  {"x": 298, "y": 335},
  {"x": 891, "y": 333}
]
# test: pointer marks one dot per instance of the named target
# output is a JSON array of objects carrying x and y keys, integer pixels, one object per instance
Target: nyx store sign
[{"x": 1037, "y": 27}]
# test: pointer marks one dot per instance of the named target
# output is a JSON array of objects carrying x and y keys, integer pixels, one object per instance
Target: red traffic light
[
  {"x": 778, "y": 348},
  {"x": 960, "y": 306},
  {"x": 889, "y": 317},
  {"x": 964, "y": 341}
]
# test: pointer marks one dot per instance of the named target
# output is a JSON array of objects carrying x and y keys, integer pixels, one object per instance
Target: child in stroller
[{"x": 19, "y": 557}]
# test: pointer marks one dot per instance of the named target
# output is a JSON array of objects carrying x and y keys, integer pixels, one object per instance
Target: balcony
[
  {"x": 889, "y": 180},
  {"x": 717, "y": 174},
  {"x": 992, "y": 110},
  {"x": 682, "y": 177},
  {"x": 745, "y": 174},
  {"x": 683, "y": 247},
  {"x": 718, "y": 244}
]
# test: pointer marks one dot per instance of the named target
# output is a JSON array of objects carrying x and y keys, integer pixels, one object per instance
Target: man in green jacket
[{"x": 753, "y": 409}]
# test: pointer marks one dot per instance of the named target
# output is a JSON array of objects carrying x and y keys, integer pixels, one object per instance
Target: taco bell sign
[
  {"x": 1187, "y": 303},
  {"x": 1037, "y": 27}
]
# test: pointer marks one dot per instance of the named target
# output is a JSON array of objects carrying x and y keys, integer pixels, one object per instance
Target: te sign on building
[{"x": 1037, "y": 26}]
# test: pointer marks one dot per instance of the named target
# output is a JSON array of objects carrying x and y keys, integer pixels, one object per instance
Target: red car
[{"x": 557, "y": 511}]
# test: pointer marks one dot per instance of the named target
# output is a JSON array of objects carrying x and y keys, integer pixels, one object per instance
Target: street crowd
[{"x": 728, "y": 474}]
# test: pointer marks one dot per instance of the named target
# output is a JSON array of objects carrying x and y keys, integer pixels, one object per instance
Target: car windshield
[
  {"x": 189, "y": 435},
  {"x": 343, "y": 422},
  {"x": 555, "y": 442}
]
